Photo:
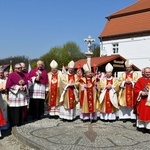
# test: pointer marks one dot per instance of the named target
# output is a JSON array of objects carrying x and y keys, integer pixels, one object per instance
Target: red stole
[
  {"x": 107, "y": 98},
  {"x": 82, "y": 93},
  {"x": 90, "y": 94},
  {"x": 71, "y": 96},
  {"x": 129, "y": 91},
  {"x": 53, "y": 90}
]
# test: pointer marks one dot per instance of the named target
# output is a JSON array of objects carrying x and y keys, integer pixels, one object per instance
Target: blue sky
[{"x": 32, "y": 27}]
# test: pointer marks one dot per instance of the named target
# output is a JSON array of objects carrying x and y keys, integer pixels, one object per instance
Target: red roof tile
[
  {"x": 98, "y": 61},
  {"x": 127, "y": 24},
  {"x": 131, "y": 20},
  {"x": 140, "y": 5}
]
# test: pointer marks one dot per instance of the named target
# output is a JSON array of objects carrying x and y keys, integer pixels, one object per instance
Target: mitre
[
  {"x": 109, "y": 68},
  {"x": 128, "y": 63},
  {"x": 53, "y": 64},
  {"x": 71, "y": 64},
  {"x": 86, "y": 68}
]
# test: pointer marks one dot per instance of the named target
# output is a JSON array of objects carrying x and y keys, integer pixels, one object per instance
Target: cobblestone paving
[{"x": 54, "y": 134}]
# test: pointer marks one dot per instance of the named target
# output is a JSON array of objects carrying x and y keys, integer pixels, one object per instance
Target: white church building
[{"x": 127, "y": 33}]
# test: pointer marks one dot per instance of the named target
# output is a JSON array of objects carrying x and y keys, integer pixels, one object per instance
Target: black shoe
[
  {"x": 124, "y": 121},
  {"x": 64, "y": 120},
  {"x": 143, "y": 130},
  {"x": 93, "y": 121},
  {"x": 132, "y": 121},
  {"x": 87, "y": 120},
  {"x": 56, "y": 117},
  {"x": 148, "y": 131}
]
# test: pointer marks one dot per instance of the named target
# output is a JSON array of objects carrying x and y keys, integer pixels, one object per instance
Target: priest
[
  {"x": 142, "y": 97},
  {"x": 88, "y": 95},
  {"x": 37, "y": 91},
  {"x": 108, "y": 100},
  {"x": 126, "y": 94},
  {"x": 17, "y": 89},
  {"x": 54, "y": 89},
  {"x": 69, "y": 93}
]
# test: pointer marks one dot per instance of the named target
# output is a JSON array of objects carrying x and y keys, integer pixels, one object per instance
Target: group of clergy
[{"x": 105, "y": 97}]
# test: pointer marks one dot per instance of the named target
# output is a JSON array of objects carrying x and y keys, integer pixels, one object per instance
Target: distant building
[{"x": 127, "y": 33}]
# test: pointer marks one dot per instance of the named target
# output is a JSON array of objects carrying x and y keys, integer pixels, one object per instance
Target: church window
[{"x": 115, "y": 47}]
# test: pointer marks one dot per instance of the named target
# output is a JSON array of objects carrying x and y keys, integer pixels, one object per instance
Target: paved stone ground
[
  {"x": 54, "y": 134},
  {"x": 10, "y": 142}
]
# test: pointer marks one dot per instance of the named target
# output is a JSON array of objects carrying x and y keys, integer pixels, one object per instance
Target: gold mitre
[
  {"x": 109, "y": 68},
  {"x": 71, "y": 64},
  {"x": 128, "y": 63},
  {"x": 53, "y": 64},
  {"x": 86, "y": 68}
]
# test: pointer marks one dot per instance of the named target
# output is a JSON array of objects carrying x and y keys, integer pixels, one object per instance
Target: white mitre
[
  {"x": 86, "y": 68},
  {"x": 128, "y": 63},
  {"x": 53, "y": 64},
  {"x": 109, "y": 68},
  {"x": 71, "y": 64}
]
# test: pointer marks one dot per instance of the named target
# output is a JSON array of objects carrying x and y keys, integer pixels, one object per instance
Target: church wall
[{"x": 135, "y": 49}]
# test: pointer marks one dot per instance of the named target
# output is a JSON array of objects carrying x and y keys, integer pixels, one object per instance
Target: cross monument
[{"x": 88, "y": 54}]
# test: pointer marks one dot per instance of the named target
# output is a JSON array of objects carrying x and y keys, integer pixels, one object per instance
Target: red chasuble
[
  {"x": 90, "y": 94},
  {"x": 107, "y": 99},
  {"x": 53, "y": 90},
  {"x": 129, "y": 92},
  {"x": 82, "y": 93},
  {"x": 71, "y": 96},
  {"x": 143, "y": 110}
]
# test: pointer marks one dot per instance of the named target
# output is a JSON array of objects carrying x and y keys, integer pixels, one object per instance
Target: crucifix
[
  {"x": 89, "y": 41},
  {"x": 88, "y": 54}
]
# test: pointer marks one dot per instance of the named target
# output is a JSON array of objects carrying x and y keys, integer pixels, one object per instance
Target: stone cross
[{"x": 89, "y": 40}]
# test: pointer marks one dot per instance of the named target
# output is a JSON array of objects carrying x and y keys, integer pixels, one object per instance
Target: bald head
[
  {"x": 147, "y": 72},
  {"x": 40, "y": 64}
]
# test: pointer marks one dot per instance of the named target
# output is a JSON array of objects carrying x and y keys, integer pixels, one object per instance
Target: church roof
[
  {"x": 133, "y": 20},
  {"x": 116, "y": 60},
  {"x": 139, "y": 6}
]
